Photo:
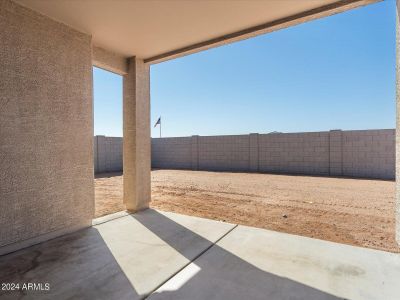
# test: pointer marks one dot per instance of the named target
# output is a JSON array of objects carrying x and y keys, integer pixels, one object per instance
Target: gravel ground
[{"x": 351, "y": 211}]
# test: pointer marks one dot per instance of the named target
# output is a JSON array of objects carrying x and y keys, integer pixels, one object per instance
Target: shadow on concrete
[
  {"x": 81, "y": 266},
  {"x": 76, "y": 266},
  {"x": 221, "y": 274}
]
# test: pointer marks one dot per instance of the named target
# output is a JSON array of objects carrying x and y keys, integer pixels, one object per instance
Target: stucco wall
[{"x": 46, "y": 134}]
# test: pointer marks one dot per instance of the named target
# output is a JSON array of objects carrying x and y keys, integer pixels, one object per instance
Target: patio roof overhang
[{"x": 160, "y": 30}]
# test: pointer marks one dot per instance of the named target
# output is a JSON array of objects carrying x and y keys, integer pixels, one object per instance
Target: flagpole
[{"x": 160, "y": 127}]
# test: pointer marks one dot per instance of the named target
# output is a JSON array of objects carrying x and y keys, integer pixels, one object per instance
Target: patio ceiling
[{"x": 160, "y": 30}]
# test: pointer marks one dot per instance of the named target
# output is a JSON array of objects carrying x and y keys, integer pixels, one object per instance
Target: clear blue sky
[{"x": 333, "y": 73}]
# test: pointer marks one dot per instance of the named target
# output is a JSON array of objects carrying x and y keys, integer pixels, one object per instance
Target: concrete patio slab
[
  {"x": 172, "y": 256},
  {"x": 252, "y": 263},
  {"x": 125, "y": 258}
]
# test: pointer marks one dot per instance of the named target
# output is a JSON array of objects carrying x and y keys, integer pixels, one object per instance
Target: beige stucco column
[
  {"x": 398, "y": 124},
  {"x": 137, "y": 142}
]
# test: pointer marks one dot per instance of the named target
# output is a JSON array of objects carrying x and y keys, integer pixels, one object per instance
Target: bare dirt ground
[
  {"x": 108, "y": 193},
  {"x": 351, "y": 211}
]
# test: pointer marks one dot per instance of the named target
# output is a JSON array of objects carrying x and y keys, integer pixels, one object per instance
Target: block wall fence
[
  {"x": 107, "y": 154},
  {"x": 356, "y": 153}
]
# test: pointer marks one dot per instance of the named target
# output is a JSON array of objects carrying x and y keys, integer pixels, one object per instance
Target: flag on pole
[{"x": 158, "y": 122}]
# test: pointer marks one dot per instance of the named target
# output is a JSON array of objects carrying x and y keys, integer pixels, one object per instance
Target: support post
[
  {"x": 136, "y": 130},
  {"x": 253, "y": 152},
  {"x": 335, "y": 153}
]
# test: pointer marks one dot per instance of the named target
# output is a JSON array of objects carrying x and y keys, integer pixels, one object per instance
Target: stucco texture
[
  {"x": 137, "y": 142},
  {"x": 46, "y": 131}
]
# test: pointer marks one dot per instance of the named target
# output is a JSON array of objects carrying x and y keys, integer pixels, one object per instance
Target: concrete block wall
[
  {"x": 336, "y": 153},
  {"x": 358, "y": 153},
  {"x": 254, "y": 159},
  {"x": 369, "y": 153},
  {"x": 294, "y": 153},
  {"x": 107, "y": 154},
  {"x": 224, "y": 153},
  {"x": 174, "y": 153},
  {"x": 195, "y": 152}
]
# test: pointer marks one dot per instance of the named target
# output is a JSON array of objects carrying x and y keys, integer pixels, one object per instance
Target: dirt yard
[{"x": 351, "y": 211}]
